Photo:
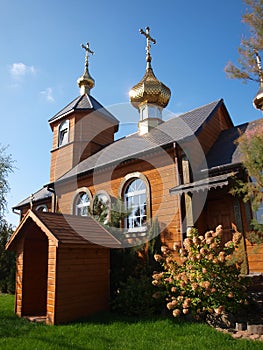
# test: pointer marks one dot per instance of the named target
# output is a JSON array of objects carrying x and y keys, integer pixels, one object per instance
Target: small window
[
  {"x": 42, "y": 207},
  {"x": 82, "y": 204},
  {"x": 136, "y": 204},
  {"x": 63, "y": 133}
]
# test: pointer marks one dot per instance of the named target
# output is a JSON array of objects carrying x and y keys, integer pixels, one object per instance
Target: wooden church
[{"x": 177, "y": 172}]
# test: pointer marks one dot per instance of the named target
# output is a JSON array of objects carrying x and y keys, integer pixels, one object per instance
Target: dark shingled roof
[
  {"x": 41, "y": 194},
  {"x": 67, "y": 229},
  {"x": 225, "y": 151},
  {"x": 176, "y": 129},
  {"x": 84, "y": 103}
]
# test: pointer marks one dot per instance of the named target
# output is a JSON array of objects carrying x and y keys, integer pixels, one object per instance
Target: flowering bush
[{"x": 201, "y": 277}]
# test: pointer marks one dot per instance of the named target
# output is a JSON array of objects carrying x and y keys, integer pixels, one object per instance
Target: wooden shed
[{"x": 63, "y": 264}]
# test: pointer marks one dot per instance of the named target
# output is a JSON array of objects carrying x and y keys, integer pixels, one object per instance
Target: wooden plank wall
[
  {"x": 255, "y": 257},
  {"x": 212, "y": 129},
  {"x": 19, "y": 277},
  {"x": 51, "y": 282},
  {"x": 160, "y": 171},
  {"x": 82, "y": 282}
]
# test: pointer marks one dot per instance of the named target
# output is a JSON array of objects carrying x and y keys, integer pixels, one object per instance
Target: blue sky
[{"x": 41, "y": 59}]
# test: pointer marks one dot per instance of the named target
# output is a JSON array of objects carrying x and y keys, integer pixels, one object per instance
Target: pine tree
[{"x": 247, "y": 68}]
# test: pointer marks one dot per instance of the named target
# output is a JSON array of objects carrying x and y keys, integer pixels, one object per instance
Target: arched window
[
  {"x": 82, "y": 204},
  {"x": 135, "y": 198},
  {"x": 42, "y": 207},
  {"x": 63, "y": 133},
  {"x": 101, "y": 207}
]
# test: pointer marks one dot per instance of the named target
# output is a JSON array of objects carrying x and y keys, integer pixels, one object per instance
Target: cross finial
[
  {"x": 31, "y": 201},
  {"x": 149, "y": 39},
  {"x": 258, "y": 60},
  {"x": 88, "y": 51}
]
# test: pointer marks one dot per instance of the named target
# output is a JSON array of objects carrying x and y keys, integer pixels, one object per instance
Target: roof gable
[
  {"x": 66, "y": 229},
  {"x": 84, "y": 103}
]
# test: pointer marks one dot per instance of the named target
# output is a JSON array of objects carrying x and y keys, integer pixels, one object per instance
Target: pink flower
[
  {"x": 164, "y": 249},
  {"x": 203, "y": 251},
  {"x": 208, "y": 234},
  {"x": 185, "y": 311},
  {"x": 158, "y": 276},
  {"x": 209, "y": 240},
  {"x": 176, "y": 312},
  {"x": 170, "y": 306},
  {"x": 158, "y": 257},
  {"x": 194, "y": 286},
  {"x": 219, "y": 310}
]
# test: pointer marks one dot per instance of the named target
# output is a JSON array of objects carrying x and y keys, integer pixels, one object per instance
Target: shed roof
[{"x": 66, "y": 229}]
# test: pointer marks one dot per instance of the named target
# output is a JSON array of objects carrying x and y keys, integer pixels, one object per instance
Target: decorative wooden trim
[
  {"x": 133, "y": 176},
  {"x": 76, "y": 193}
]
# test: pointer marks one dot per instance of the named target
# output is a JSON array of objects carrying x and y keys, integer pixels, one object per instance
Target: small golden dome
[
  {"x": 150, "y": 90},
  {"x": 258, "y": 99},
  {"x": 86, "y": 80}
]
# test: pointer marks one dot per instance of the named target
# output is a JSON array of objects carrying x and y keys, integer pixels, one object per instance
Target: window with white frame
[
  {"x": 135, "y": 198},
  {"x": 63, "y": 133},
  {"x": 82, "y": 204}
]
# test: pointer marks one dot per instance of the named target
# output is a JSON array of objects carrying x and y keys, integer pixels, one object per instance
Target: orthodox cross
[
  {"x": 149, "y": 39},
  {"x": 258, "y": 60},
  {"x": 31, "y": 201},
  {"x": 88, "y": 50}
]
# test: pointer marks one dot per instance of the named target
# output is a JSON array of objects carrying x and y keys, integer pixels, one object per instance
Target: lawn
[{"x": 109, "y": 331}]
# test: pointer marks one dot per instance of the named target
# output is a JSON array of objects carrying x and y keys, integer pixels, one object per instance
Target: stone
[
  {"x": 254, "y": 336},
  {"x": 237, "y": 335},
  {"x": 241, "y": 326}
]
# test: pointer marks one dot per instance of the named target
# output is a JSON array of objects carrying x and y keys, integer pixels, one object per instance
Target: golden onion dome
[
  {"x": 86, "y": 80},
  {"x": 150, "y": 90},
  {"x": 258, "y": 99}
]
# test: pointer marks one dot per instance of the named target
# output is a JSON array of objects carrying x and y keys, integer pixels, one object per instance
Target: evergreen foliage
[
  {"x": 247, "y": 67},
  {"x": 131, "y": 270},
  {"x": 7, "y": 260},
  {"x": 251, "y": 147}
]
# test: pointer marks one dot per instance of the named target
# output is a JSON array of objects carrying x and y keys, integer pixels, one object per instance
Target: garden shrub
[
  {"x": 131, "y": 277},
  {"x": 202, "y": 276},
  {"x": 7, "y": 260}
]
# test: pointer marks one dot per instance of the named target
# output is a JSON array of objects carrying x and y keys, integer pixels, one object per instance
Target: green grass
[{"x": 109, "y": 331}]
